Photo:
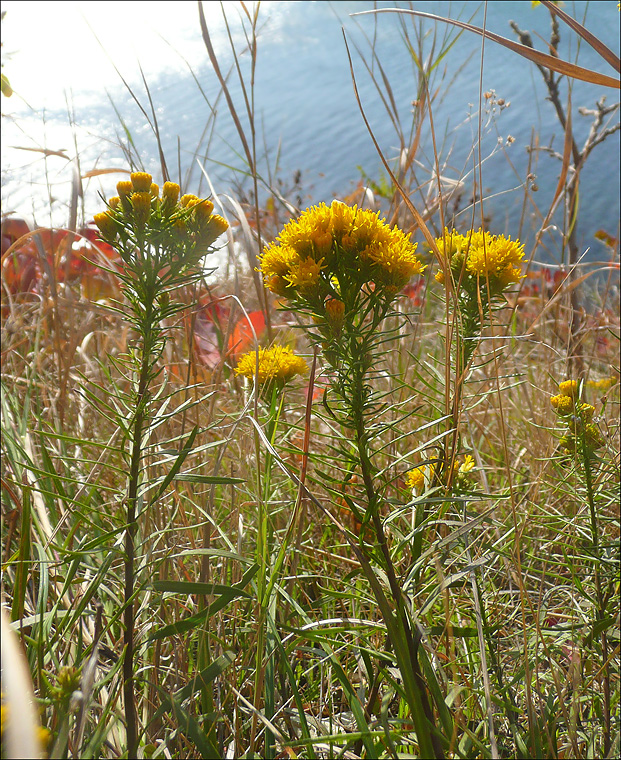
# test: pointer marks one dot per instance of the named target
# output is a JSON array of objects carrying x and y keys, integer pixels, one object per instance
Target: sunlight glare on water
[{"x": 69, "y": 97}]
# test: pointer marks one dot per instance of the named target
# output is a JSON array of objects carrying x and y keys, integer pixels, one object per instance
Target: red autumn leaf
[{"x": 242, "y": 337}]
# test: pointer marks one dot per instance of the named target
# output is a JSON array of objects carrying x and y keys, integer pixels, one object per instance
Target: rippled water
[{"x": 307, "y": 112}]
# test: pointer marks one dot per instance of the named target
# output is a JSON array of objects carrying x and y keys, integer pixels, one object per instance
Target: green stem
[
  {"x": 131, "y": 718},
  {"x": 588, "y": 477},
  {"x": 405, "y": 643}
]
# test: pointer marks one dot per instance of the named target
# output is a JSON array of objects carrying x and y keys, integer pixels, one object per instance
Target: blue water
[{"x": 309, "y": 121}]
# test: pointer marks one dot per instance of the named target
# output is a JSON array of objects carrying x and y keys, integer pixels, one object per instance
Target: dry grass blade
[
  {"x": 417, "y": 217},
  {"x": 597, "y": 45},
  {"x": 99, "y": 172},
  {"x": 214, "y": 62},
  {"x": 543, "y": 59},
  {"x": 46, "y": 151}
]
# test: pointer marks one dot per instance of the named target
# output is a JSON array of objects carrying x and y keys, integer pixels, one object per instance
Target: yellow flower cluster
[
  {"x": 138, "y": 206},
  {"x": 277, "y": 363},
  {"x": 577, "y": 416},
  {"x": 479, "y": 258},
  {"x": 330, "y": 249},
  {"x": 602, "y": 385},
  {"x": 419, "y": 478}
]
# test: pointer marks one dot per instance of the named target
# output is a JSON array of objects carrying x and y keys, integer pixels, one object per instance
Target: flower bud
[
  {"x": 141, "y": 204},
  {"x": 125, "y": 189},
  {"x": 141, "y": 182},
  {"x": 188, "y": 200},
  {"x": 107, "y": 225}
]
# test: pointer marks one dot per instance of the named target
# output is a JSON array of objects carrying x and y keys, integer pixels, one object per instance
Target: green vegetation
[{"x": 360, "y": 501}]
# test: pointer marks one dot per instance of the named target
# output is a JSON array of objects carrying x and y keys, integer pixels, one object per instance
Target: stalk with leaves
[
  {"x": 340, "y": 269},
  {"x": 161, "y": 241}
]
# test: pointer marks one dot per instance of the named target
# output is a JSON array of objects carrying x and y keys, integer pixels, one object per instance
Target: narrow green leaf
[
  {"x": 189, "y": 477},
  {"x": 188, "y": 587}
]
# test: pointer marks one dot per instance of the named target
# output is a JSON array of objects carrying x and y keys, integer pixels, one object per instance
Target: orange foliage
[{"x": 60, "y": 255}]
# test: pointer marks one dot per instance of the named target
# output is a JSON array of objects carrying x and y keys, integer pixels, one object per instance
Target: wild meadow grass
[{"x": 357, "y": 499}]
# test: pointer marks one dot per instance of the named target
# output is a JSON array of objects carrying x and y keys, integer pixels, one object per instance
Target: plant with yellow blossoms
[
  {"x": 340, "y": 269},
  {"x": 162, "y": 239},
  {"x": 583, "y": 436},
  {"x": 421, "y": 478},
  {"x": 343, "y": 267},
  {"x": 277, "y": 364},
  {"x": 481, "y": 267}
]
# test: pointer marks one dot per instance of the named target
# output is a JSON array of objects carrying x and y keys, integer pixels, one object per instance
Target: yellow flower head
[
  {"x": 211, "y": 229},
  {"x": 467, "y": 465},
  {"x": 601, "y": 385},
  {"x": 495, "y": 257},
  {"x": 125, "y": 189},
  {"x": 341, "y": 219},
  {"x": 562, "y": 405},
  {"x": 107, "y": 225},
  {"x": 335, "y": 312},
  {"x": 569, "y": 388},
  {"x": 593, "y": 436},
  {"x": 277, "y": 363},
  {"x": 304, "y": 275},
  {"x": 155, "y": 190},
  {"x": 486, "y": 257},
  {"x": 395, "y": 259},
  {"x": 189, "y": 200},
  {"x": 278, "y": 260},
  {"x": 416, "y": 478},
  {"x": 452, "y": 242},
  {"x": 170, "y": 195},
  {"x": 114, "y": 203},
  {"x": 141, "y": 182},
  {"x": 202, "y": 211},
  {"x": 141, "y": 204},
  {"x": 338, "y": 246}
]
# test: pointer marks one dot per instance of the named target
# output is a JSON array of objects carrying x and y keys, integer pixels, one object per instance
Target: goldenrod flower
[
  {"x": 170, "y": 195},
  {"x": 416, "y": 478},
  {"x": 212, "y": 230},
  {"x": 342, "y": 219},
  {"x": 593, "y": 436},
  {"x": 562, "y": 405},
  {"x": 311, "y": 249},
  {"x": 335, "y": 313},
  {"x": 189, "y": 200},
  {"x": 202, "y": 211},
  {"x": 106, "y": 224},
  {"x": 125, "y": 188},
  {"x": 601, "y": 385},
  {"x": 323, "y": 243},
  {"x": 586, "y": 411},
  {"x": 487, "y": 258},
  {"x": 278, "y": 260},
  {"x": 467, "y": 465},
  {"x": 304, "y": 275},
  {"x": 141, "y": 182},
  {"x": 141, "y": 204},
  {"x": 155, "y": 190},
  {"x": 569, "y": 388},
  {"x": 115, "y": 203},
  {"x": 495, "y": 258},
  {"x": 277, "y": 363},
  {"x": 395, "y": 260}
]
